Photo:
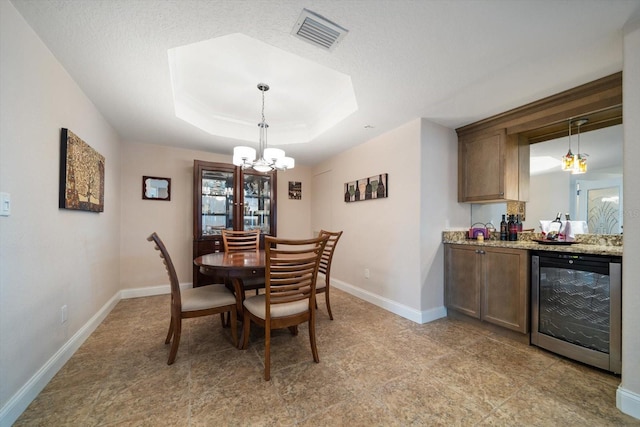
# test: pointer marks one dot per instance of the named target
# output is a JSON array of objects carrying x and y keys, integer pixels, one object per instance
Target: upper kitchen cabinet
[
  {"x": 489, "y": 167},
  {"x": 493, "y": 154},
  {"x": 226, "y": 197}
]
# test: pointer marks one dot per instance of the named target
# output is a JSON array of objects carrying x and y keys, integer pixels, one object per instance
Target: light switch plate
[{"x": 5, "y": 204}]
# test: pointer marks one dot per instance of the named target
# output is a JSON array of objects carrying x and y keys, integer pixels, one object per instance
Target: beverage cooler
[{"x": 576, "y": 307}]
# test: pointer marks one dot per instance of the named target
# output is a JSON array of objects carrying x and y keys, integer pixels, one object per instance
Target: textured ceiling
[{"x": 452, "y": 62}]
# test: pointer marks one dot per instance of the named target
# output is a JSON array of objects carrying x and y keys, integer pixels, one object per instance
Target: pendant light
[
  {"x": 268, "y": 158},
  {"x": 580, "y": 161},
  {"x": 568, "y": 159}
]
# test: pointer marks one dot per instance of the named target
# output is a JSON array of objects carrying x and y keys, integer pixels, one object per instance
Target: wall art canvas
[
  {"x": 81, "y": 174},
  {"x": 374, "y": 187},
  {"x": 295, "y": 190}
]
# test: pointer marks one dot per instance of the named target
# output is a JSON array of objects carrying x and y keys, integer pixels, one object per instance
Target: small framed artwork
[
  {"x": 295, "y": 190},
  {"x": 155, "y": 188},
  {"x": 81, "y": 175},
  {"x": 374, "y": 187}
]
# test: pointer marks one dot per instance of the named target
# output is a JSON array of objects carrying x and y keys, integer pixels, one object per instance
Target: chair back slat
[
  {"x": 235, "y": 241},
  {"x": 327, "y": 254},
  {"x": 292, "y": 269}
]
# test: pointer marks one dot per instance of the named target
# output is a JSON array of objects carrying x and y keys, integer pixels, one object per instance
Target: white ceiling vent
[{"x": 318, "y": 31}]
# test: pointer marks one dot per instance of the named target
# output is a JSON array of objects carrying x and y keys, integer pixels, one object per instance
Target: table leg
[{"x": 238, "y": 289}]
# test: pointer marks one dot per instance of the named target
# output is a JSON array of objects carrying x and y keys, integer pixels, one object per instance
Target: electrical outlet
[
  {"x": 366, "y": 273},
  {"x": 63, "y": 314},
  {"x": 5, "y": 204}
]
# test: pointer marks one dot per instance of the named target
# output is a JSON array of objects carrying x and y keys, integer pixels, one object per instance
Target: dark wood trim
[{"x": 602, "y": 97}]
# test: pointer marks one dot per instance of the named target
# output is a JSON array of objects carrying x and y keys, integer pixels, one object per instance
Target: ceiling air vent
[{"x": 318, "y": 31}]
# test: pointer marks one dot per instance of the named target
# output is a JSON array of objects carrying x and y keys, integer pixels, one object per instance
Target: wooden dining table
[{"x": 234, "y": 268}]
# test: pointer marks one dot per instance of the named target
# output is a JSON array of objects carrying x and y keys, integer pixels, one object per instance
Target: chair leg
[
  {"x": 267, "y": 352},
  {"x": 224, "y": 318},
  {"x": 293, "y": 329},
  {"x": 312, "y": 338},
  {"x": 246, "y": 324},
  {"x": 176, "y": 341},
  {"x": 170, "y": 333},
  {"x": 234, "y": 326},
  {"x": 326, "y": 298}
]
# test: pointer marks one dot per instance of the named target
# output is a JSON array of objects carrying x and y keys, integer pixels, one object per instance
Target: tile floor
[{"x": 376, "y": 369}]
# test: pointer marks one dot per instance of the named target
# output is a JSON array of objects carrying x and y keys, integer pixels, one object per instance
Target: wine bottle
[
  {"x": 518, "y": 223},
  {"x": 357, "y": 191},
  {"x": 380, "y": 189},
  {"x": 367, "y": 190},
  {"x": 513, "y": 228},
  {"x": 504, "y": 231}
]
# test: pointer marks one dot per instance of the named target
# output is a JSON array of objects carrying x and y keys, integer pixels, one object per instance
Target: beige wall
[
  {"x": 173, "y": 220},
  {"x": 49, "y": 257},
  {"x": 629, "y": 393},
  {"x": 398, "y": 239}
]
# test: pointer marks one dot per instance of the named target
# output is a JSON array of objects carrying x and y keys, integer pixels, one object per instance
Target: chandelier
[
  {"x": 268, "y": 159},
  {"x": 575, "y": 163}
]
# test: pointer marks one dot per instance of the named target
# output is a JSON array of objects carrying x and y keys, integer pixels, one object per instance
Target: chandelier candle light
[
  {"x": 575, "y": 163},
  {"x": 268, "y": 158}
]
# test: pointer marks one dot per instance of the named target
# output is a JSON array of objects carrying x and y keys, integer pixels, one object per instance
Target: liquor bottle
[
  {"x": 380, "y": 189},
  {"x": 513, "y": 228},
  {"x": 518, "y": 224},
  {"x": 504, "y": 231}
]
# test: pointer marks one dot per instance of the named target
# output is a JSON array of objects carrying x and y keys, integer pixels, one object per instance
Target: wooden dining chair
[
  {"x": 289, "y": 298},
  {"x": 324, "y": 271},
  {"x": 235, "y": 241},
  {"x": 194, "y": 302}
]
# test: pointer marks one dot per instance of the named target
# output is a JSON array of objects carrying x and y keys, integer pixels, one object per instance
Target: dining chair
[
  {"x": 194, "y": 302},
  {"x": 249, "y": 240},
  {"x": 324, "y": 271},
  {"x": 234, "y": 241},
  {"x": 289, "y": 298}
]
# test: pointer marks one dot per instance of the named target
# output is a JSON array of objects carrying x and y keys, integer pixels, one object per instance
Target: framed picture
[
  {"x": 295, "y": 190},
  {"x": 155, "y": 188},
  {"x": 81, "y": 174},
  {"x": 374, "y": 187}
]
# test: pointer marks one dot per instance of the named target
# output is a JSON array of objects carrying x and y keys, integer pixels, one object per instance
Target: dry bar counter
[{"x": 565, "y": 297}]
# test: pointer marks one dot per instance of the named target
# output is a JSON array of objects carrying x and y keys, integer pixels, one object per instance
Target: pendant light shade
[
  {"x": 575, "y": 163},
  {"x": 265, "y": 159}
]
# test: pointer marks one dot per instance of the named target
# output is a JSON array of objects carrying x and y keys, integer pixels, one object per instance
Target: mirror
[
  {"x": 594, "y": 197},
  {"x": 155, "y": 188}
]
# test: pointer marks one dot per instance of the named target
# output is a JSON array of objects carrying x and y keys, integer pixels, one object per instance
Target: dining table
[{"x": 234, "y": 268}]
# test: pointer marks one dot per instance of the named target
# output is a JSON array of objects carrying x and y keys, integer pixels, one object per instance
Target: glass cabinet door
[
  {"x": 217, "y": 202},
  {"x": 257, "y": 189}
]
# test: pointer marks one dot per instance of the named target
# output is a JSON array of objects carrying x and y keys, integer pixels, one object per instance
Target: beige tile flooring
[{"x": 375, "y": 368}]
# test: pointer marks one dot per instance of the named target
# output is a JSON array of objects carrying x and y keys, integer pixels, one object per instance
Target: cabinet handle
[{"x": 479, "y": 251}]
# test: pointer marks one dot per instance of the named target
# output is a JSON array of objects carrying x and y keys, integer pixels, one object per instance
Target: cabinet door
[
  {"x": 258, "y": 206},
  {"x": 462, "y": 273},
  {"x": 214, "y": 199},
  {"x": 481, "y": 167},
  {"x": 505, "y": 299}
]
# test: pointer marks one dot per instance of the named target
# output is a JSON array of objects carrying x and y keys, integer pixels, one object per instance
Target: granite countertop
[{"x": 597, "y": 244}]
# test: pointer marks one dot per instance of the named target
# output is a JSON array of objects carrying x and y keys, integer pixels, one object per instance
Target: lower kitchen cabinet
[{"x": 488, "y": 283}]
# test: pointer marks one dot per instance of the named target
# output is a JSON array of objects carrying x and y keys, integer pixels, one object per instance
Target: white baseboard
[
  {"x": 390, "y": 305},
  {"x": 19, "y": 401},
  {"x": 150, "y": 291},
  {"x": 628, "y": 402}
]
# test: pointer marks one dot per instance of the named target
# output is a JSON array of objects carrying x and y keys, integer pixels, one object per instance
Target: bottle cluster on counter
[{"x": 510, "y": 226}]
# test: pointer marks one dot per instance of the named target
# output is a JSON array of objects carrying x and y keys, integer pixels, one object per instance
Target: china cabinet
[{"x": 226, "y": 197}]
